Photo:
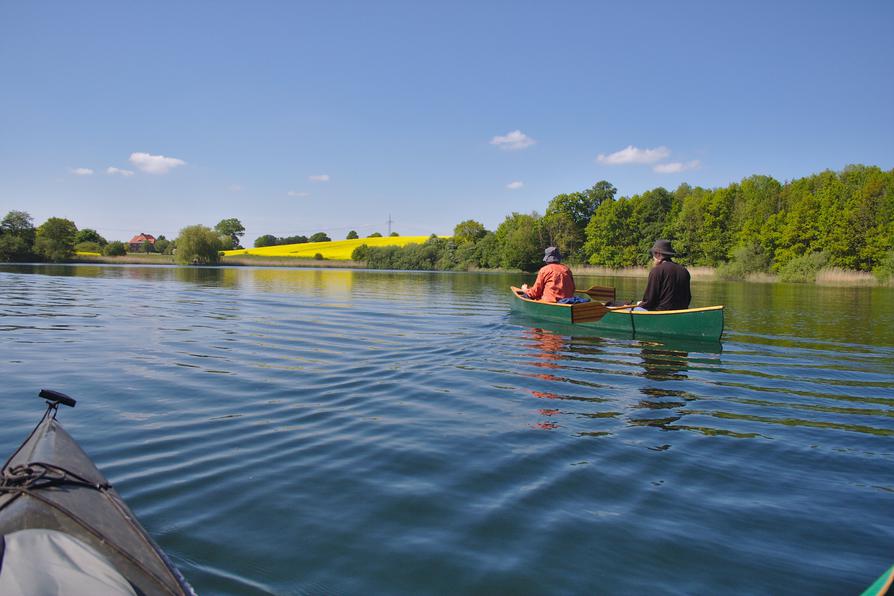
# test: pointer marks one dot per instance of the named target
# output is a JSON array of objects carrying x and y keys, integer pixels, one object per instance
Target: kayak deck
[{"x": 49, "y": 483}]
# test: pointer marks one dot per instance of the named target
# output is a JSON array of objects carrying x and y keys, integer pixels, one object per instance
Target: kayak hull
[
  {"x": 704, "y": 324},
  {"x": 80, "y": 502}
]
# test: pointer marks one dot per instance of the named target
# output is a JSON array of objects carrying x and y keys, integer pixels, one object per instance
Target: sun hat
[
  {"x": 552, "y": 255},
  {"x": 663, "y": 247}
]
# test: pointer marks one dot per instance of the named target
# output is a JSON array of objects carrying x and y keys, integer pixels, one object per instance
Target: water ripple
[{"x": 382, "y": 432}]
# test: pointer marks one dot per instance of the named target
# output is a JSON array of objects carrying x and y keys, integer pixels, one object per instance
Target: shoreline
[{"x": 826, "y": 277}]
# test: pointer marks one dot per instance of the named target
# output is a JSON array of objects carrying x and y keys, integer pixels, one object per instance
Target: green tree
[
  {"x": 648, "y": 221},
  {"x": 198, "y": 245},
  {"x": 162, "y": 245},
  {"x": 17, "y": 235},
  {"x": 561, "y": 231},
  {"x": 320, "y": 237},
  {"x": 89, "y": 235},
  {"x": 611, "y": 240},
  {"x": 375, "y": 235},
  {"x": 352, "y": 235},
  {"x": 55, "y": 239},
  {"x": 231, "y": 228},
  {"x": 468, "y": 231},
  {"x": 265, "y": 240},
  {"x": 519, "y": 242},
  {"x": 488, "y": 251},
  {"x": 596, "y": 195},
  {"x": 359, "y": 253},
  {"x": 580, "y": 206},
  {"x": 115, "y": 248},
  {"x": 393, "y": 234},
  {"x": 88, "y": 247}
]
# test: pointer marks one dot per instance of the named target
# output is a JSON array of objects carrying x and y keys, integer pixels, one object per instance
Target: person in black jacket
[{"x": 668, "y": 285}]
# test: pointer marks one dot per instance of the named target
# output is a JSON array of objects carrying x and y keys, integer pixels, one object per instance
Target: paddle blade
[
  {"x": 601, "y": 293},
  {"x": 588, "y": 312}
]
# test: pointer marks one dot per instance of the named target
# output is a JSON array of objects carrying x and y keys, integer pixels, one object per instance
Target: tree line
[
  {"x": 59, "y": 239},
  {"x": 832, "y": 219}
]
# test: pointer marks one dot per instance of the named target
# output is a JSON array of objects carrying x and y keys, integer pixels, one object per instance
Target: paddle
[
  {"x": 601, "y": 293},
  {"x": 588, "y": 312}
]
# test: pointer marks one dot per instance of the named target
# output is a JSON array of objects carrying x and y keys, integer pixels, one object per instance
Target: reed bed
[
  {"x": 844, "y": 277},
  {"x": 694, "y": 272}
]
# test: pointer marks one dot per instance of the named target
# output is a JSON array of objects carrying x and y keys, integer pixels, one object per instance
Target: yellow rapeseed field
[{"x": 338, "y": 250}]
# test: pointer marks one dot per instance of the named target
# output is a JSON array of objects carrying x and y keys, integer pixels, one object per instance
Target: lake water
[{"x": 293, "y": 431}]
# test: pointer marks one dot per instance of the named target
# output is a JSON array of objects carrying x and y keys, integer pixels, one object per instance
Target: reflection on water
[{"x": 391, "y": 432}]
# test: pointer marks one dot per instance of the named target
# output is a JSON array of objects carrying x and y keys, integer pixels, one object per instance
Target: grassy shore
[{"x": 826, "y": 277}]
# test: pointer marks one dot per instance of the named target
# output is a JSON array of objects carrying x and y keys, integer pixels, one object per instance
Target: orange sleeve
[{"x": 536, "y": 291}]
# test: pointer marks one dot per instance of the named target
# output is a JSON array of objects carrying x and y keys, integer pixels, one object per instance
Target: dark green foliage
[
  {"x": 198, "y": 245},
  {"x": 746, "y": 259},
  {"x": 884, "y": 271},
  {"x": 17, "y": 236},
  {"x": 265, "y": 240},
  {"x": 88, "y": 235},
  {"x": 468, "y": 231},
  {"x": 375, "y": 235},
  {"x": 55, "y": 239},
  {"x": 352, "y": 235},
  {"x": 146, "y": 247},
  {"x": 567, "y": 216},
  {"x": 88, "y": 246},
  {"x": 487, "y": 251},
  {"x": 163, "y": 245},
  {"x": 292, "y": 240},
  {"x": 419, "y": 257},
  {"x": 442, "y": 254},
  {"x": 115, "y": 248},
  {"x": 359, "y": 253},
  {"x": 393, "y": 234},
  {"x": 320, "y": 237},
  {"x": 519, "y": 242},
  {"x": 848, "y": 215},
  {"x": 231, "y": 229},
  {"x": 318, "y": 256},
  {"x": 611, "y": 239},
  {"x": 803, "y": 269}
]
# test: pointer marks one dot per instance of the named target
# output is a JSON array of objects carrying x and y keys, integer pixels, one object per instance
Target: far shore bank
[{"x": 826, "y": 277}]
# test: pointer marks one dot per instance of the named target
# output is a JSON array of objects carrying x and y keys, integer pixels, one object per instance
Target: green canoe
[
  {"x": 882, "y": 585},
  {"x": 704, "y": 323}
]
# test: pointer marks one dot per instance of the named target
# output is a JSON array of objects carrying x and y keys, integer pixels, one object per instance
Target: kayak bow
[{"x": 63, "y": 524}]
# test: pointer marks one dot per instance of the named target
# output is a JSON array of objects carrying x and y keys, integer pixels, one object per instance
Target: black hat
[
  {"x": 552, "y": 255},
  {"x": 662, "y": 247}
]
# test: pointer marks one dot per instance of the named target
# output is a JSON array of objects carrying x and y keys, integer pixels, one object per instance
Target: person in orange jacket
[{"x": 554, "y": 280}]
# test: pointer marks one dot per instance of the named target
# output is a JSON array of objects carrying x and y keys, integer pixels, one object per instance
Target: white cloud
[
  {"x": 154, "y": 164},
  {"x": 298, "y": 193},
  {"x": 319, "y": 178},
  {"x": 676, "y": 166},
  {"x": 513, "y": 141},
  {"x": 515, "y": 185},
  {"x": 631, "y": 154},
  {"x": 111, "y": 171},
  {"x": 81, "y": 171}
]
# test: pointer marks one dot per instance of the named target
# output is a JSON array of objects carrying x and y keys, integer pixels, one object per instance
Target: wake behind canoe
[{"x": 704, "y": 323}]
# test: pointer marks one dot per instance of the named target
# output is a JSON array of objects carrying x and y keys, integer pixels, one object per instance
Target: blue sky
[{"x": 297, "y": 117}]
